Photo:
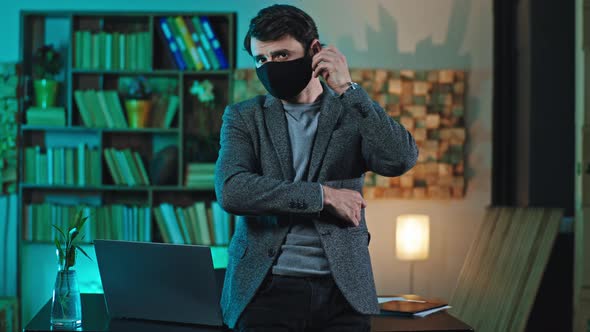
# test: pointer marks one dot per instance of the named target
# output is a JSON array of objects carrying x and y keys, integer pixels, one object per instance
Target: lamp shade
[{"x": 412, "y": 236}]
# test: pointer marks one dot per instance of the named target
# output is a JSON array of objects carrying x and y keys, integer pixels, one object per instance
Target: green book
[
  {"x": 201, "y": 211},
  {"x": 130, "y": 162},
  {"x": 51, "y": 116},
  {"x": 122, "y": 164},
  {"x": 85, "y": 114},
  {"x": 115, "y": 106},
  {"x": 93, "y": 106},
  {"x": 142, "y": 171},
  {"x": 30, "y": 169},
  {"x": 115, "y": 50},
  {"x": 108, "y": 51},
  {"x": 58, "y": 166},
  {"x": 96, "y": 51},
  {"x": 81, "y": 165},
  {"x": 113, "y": 170},
  {"x": 69, "y": 167},
  {"x": 147, "y": 50},
  {"x": 128, "y": 50},
  {"x": 86, "y": 60},
  {"x": 181, "y": 45},
  {"x": 205, "y": 43},
  {"x": 123, "y": 51},
  {"x": 106, "y": 111},
  {"x": 78, "y": 48}
]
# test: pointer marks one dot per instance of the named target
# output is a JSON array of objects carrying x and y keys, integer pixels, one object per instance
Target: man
[{"x": 291, "y": 167}]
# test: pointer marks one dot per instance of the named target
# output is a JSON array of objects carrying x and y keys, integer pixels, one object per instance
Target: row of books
[
  {"x": 192, "y": 43},
  {"x": 126, "y": 167},
  {"x": 114, "y": 222},
  {"x": 62, "y": 165},
  {"x": 112, "y": 51},
  {"x": 200, "y": 175},
  {"x": 100, "y": 108},
  {"x": 103, "y": 109},
  {"x": 195, "y": 224}
]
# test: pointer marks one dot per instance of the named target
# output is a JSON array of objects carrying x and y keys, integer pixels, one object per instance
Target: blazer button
[{"x": 271, "y": 252}]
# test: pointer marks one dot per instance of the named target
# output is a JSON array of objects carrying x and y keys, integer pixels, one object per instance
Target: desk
[{"x": 96, "y": 319}]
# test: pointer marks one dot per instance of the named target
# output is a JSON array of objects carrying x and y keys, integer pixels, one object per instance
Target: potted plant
[
  {"x": 47, "y": 63},
  {"x": 138, "y": 102},
  {"x": 66, "y": 306},
  {"x": 203, "y": 139}
]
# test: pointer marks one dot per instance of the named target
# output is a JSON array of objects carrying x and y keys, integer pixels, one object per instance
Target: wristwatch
[{"x": 351, "y": 86}]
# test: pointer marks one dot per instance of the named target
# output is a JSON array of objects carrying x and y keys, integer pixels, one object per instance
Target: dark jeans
[{"x": 301, "y": 304}]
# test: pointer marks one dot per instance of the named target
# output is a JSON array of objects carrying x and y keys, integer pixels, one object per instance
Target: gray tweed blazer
[{"x": 253, "y": 180}]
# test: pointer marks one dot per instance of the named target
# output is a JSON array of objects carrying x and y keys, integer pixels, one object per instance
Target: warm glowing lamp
[{"x": 412, "y": 237}]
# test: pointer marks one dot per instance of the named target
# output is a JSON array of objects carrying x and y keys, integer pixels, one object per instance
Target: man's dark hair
[{"x": 276, "y": 21}]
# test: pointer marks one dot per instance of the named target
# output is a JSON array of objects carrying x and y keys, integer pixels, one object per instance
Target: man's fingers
[{"x": 322, "y": 67}]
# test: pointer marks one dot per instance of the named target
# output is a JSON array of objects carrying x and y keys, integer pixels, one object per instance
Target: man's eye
[
  {"x": 260, "y": 60},
  {"x": 282, "y": 55}
]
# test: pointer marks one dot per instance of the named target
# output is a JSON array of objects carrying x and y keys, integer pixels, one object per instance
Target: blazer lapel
[
  {"x": 276, "y": 124},
  {"x": 330, "y": 112}
]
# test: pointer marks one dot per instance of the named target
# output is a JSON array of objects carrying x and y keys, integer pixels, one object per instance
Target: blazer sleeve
[
  {"x": 387, "y": 147},
  {"x": 241, "y": 190}
]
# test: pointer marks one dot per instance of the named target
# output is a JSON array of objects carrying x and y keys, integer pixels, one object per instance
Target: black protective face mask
[{"x": 286, "y": 79}]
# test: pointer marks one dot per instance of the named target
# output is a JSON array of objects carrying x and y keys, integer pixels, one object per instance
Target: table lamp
[{"x": 412, "y": 239}]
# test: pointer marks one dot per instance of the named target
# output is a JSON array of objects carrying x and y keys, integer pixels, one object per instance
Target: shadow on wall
[{"x": 427, "y": 55}]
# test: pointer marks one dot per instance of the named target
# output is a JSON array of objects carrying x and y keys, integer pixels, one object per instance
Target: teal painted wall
[{"x": 397, "y": 34}]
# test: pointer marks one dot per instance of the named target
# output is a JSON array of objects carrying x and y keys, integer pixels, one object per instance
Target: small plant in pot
[
  {"x": 66, "y": 306},
  {"x": 138, "y": 102},
  {"x": 47, "y": 63}
]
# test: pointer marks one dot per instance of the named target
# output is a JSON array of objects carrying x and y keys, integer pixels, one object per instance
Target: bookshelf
[{"x": 103, "y": 52}]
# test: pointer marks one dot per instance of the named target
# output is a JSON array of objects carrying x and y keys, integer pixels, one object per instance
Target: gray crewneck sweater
[{"x": 302, "y": 253}]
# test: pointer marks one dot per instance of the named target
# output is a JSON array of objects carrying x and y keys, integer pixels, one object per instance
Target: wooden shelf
[
  {"x": 156, "y": 72},
  {"x": 29, "y": 186},
  {"x": 51, "y": 243},
  {"x": 105, "y": 130}
]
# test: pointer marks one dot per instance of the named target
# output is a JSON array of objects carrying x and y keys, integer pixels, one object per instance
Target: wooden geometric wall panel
[
  {"x": 503, "y": 269},
  {"x": 429, "y": 104}
]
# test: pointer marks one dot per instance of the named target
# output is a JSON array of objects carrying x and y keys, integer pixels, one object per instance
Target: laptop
[{"x": 158, "y": 281}]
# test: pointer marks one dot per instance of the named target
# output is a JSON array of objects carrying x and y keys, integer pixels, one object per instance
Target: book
[
  {"x": 171, "y": 109},
  {"x": 115, "y": 106},
  {"x": 198, "y": 44},
  {"x": 51, "y": 116},
  {"x": 188, "y": 41},
  {"x": 85, "y": 115},
  {"x": 175, "y": 53},
  {"x": 202, "y": 37},
  {"x": 190, "y": 64},
  {"x": 215, "y": 44},
  {"x": 410, "y": 306}
]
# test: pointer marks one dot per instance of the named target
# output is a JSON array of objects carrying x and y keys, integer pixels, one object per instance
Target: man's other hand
[{"x": 344, "y": 203}]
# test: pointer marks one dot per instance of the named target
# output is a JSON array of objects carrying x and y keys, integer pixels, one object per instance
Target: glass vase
[{"x": 66, "y": 306}]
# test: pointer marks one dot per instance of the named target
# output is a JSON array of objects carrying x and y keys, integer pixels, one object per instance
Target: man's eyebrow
[{"x": 273, "y": 53}]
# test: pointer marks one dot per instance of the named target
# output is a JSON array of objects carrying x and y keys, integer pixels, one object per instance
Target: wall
[{"x": 414, "y": 34}]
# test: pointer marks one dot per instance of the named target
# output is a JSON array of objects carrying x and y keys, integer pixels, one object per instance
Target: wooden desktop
[{"x": 95, "y": 319}]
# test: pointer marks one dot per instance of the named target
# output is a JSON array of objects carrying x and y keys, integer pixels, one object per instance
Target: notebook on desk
[
  {"x": 160, "y": 282},
  {"x": 410, "y": 306}
]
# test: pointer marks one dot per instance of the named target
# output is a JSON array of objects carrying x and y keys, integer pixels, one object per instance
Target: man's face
[{"x": 285, "y": 49}]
